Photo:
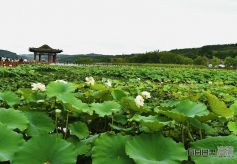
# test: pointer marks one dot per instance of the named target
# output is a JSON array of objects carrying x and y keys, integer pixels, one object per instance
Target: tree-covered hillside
[
  {"x": 220, "y": 51},
  {"x": 8, "y": 54},
  {"x": 200, "y": 56}
]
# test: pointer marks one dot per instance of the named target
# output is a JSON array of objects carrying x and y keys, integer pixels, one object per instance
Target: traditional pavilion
[{"x": 45, "y": 50}]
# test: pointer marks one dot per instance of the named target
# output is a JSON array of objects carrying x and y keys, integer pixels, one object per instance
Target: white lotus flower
[
  {"x": 146, "y": 95},
  {"x": 139, "y": 101},
  {"x": 90, "y": 80},
  {"x": 210, "y": 82},
  {"x": 38, "y": 86},
  {"x": 61, "y": 81},
  {"x": 109, "y": 83},
  {"x": 65, "y": 130}
]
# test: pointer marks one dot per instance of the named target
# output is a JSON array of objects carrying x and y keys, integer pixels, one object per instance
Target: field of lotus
[{"x": 140, "y": 114}]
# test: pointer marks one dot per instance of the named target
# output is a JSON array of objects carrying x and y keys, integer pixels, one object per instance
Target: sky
[{"x": 116, "y": 26}]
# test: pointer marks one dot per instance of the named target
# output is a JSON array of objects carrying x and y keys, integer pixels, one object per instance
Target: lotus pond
[{"x": 117, "y": 114}]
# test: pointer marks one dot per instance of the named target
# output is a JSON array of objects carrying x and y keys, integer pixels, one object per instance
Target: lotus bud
[{"x": 58, "y": 111}]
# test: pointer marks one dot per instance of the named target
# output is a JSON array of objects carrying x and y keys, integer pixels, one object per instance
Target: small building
[{"x": 45, "y": 50}]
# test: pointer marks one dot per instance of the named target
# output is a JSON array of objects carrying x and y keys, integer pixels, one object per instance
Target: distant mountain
[
  {"x": 93, "y": 55},
  {"x": 8, "y": 54}
]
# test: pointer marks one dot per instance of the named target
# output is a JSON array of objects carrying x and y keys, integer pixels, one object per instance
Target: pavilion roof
[{"x": 45, "y": 49}]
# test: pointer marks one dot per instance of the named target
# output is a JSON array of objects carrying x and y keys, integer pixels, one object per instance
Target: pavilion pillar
[
  {"x": 54, "y": 58},
  {"x": 39, "y": 57},
  {"x": 35, "y": 56},
  {"x": 50, "y": 58}
]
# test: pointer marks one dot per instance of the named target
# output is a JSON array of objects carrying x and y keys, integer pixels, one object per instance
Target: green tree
[
  {"x": 229, "y": 61},
  {"x": 234, "y": 64},
  {"x": 201, "y": 60},
  {"x": 215, "y": 61},
  {"x": 183, "y": 60},
  {"x": 168, "y": 58},
  {"x": 84, "y": 60}
]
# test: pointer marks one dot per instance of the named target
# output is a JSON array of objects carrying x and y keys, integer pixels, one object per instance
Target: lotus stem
[
  {"x": 56, "y": 123},
  {"x": 183, "y": 134},
  {"x": 190, "y": 135},
  {"x": 65, "y": 135},
  {"x": 200, "y": 133},
  {"x": 112, "y": 120}
]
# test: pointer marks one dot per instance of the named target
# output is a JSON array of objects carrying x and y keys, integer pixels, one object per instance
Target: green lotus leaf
[
  {"x": 46, "y": 149},
  {"x": 215, "y": 143},
  {"x": 55, "y": 89},
  {"x": 67, "y": 98},
  {"x": 38, "y": 97},
  {"x": 84, "y": 108},
  {"x": 167, "y": 87},
  {"x": 79, "y": 129},
  {"x": 234, "y": 107},
  {"x": 106, "y": 108},
  {"x": 210, "y": 116},
  {"x": 98, "y": 87},
  {"x": 120, "y": 118},
  {"x": 232, "y": 126},
  {"x": 63, "y": 93},
  {"x": 82, "y": 148},
  {"x": 78, "y": 106},
  {"x": 153, "y": 126},
  {"x": 191, "y": 109},
  {"x": 174, "y": 115},
  {"x": 128, "y": 103},
  {"x": 153, "y": 123},
  {"x": 30, "y": 96},
  {"x": 73, "y": 104},
  {"x": 40, "y": 123},
  {"x": 120, "y": 128},
  {"x": 10, "y": 98},
  {"x": 25, "y": 92},
  {"x": 110, "y": 149},
  {"x": 13, "y": 119},
  {"x": 154, "y": 148},
  {"x": 10, "y": 141},
  {"x": 103, "y": 95},
  {"x": 118, "y": 94},
  {"x": 169, "y": 103},
  {"x": 219, "y": 107},
  {"x": 198, "y": 124},
  {"x": 91, "y": 139}
]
